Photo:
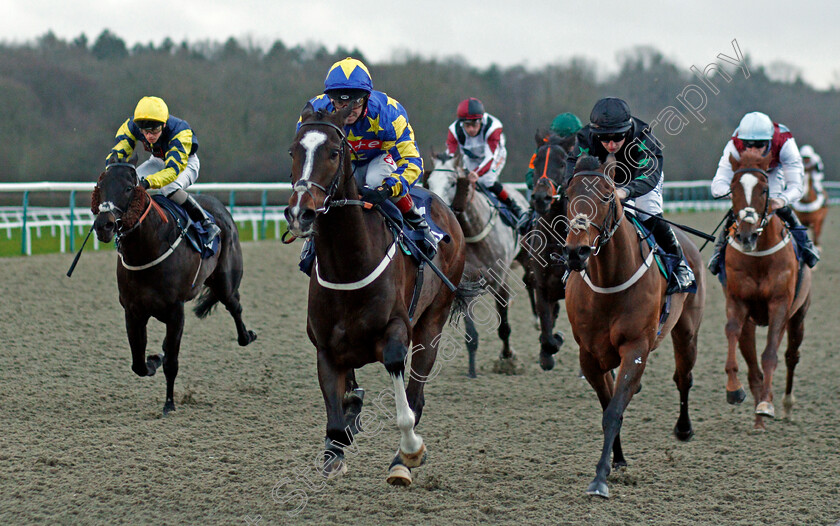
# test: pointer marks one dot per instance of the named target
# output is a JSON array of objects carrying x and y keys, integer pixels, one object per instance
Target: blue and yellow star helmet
[{"x": 348, "y": 74}]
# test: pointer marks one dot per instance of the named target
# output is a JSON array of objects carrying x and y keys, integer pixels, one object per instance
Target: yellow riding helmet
[{"x": 151, "y": 109}]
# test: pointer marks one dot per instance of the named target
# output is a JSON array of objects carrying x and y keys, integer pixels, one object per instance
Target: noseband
[
  {"x": 749, "y": 214},
  {"x": 306, "y": 185}
]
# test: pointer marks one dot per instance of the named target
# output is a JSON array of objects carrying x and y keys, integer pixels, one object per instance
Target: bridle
[
  {"x": 109, "y": 206},
  {"x": 306, "y": 185},
  {"x": 749, "y": 214},
  {"x": 605, "y": 231},
  {"x": 553, "y": 188}
]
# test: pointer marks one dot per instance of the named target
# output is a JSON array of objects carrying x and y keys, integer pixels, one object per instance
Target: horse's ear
[
  {"x": 765, "y": 159},
  {"x": 735, "y": 163},
  {"x": 307, "y": 112},
  {"x": 133, "y": 160},
  {"x": 541, "y": 136},
  {"x": 341, "y": 115}
]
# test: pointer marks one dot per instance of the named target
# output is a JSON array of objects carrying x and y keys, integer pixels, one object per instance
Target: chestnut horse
[
  {"x": 157, "y": 272},
  {"x": 615, "y": 299},
  {"x": 491, "y": 247},
  {"x": 813, "y": 207},
  {"x": 765, "y": 285},
  {"x": 360, "y": 290},
  {"x": 545, "y": 241}
]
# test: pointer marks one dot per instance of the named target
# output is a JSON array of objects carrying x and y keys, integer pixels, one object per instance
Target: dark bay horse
[
  {"x": 545, "y": 240},
  {"x": 813, "y": 207},
  {"x": 765, "y": 285},
  {"x": 616, "y": 304},
  {"x": 157, "y": 272},
  {"x": 491, "y": 248},
  {"x": 360, "y": 291}
]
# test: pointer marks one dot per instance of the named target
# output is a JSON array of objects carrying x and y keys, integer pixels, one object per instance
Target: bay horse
[
  {"x": 360, "y": 291},
  {"x": 157, "y": 272},
  {"x": 813, "y": 207},
  {"x": 491, "y": 248},
  {"x": 765, "y": 285},
  {"x": 545, "y": 241},
  {"x": 618, "y": 310}
]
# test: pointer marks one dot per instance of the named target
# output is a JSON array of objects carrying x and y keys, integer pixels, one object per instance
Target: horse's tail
[
  {"x": 206, "y": 302},
  {"x": 467, "y": 291}
]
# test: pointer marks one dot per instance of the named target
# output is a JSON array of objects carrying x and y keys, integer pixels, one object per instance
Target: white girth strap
[
  {"x": 772, "y": 250},
  {"x": 486, "y": 230},
  {"x": 356, "y": 285},
  {"x": 155, "y": 262},
  {"x": 627, "y": 284}
]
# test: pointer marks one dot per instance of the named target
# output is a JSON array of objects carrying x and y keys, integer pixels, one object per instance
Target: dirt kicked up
[{"x": 82, "y": 439}]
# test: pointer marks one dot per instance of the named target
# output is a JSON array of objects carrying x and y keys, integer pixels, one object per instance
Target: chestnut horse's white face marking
[{"x": 748, "y": 181}]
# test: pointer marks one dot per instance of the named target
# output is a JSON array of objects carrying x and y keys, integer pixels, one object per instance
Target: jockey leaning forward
[
  {"x": 757, "y": 132},
  {"x": 386, "y": 160},
  {"x": 613, "y": 131},
  {"x": 173, "y": 165}
]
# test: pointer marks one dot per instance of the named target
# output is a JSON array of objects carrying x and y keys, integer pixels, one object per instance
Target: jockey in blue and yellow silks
[
  {"x": 386, "y": 155},
  {"x": 173, "y": 165}
]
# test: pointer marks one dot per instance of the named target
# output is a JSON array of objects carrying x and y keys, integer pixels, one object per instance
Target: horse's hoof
[
  {"x": 683, "y": 436},
  {"x": 787, "y": 405},
  {"x": 334, "y": 468},
  {"x": 736, "y": 397},
  {"x": 414, "y": 460},
  {"x": 546, "y": 361},
  {"x": 598, "y": 489},
  {"x": 765, "y": 409},
  {"x": 168, "y": 407},
  {"x": 560, "y": 339},
  {"x": 248, "y": 339},
  {"x": 152, "y": 363},
  {"x": 399, "y": 475}
]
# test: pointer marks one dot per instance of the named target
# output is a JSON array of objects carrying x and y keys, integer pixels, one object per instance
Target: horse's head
[
  {"x": 750, "y": 196},
  {"x": 321, "y": 168},
  {"x": 593, "y": 212},
  {"x": 549, "y": 170},
  {"x": 116, "y": 200},
  {"x": 450, "y": 181}
]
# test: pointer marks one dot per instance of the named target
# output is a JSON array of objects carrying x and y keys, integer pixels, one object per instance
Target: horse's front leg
[
  {"x": 333, "y": 384},
  {"x": 502, "y": 302},
  {"x": 171, "y": 349},
  {"x": 736, "y": 314},
  {"x": 633, "y": 358},
  {"x": 135, "y": 327},
  {"x": 412, "y": 451},
  {"x": 777, "y": 323},
  {"x": 471, "y": 341},
  {"x": 549, "y": 343}
]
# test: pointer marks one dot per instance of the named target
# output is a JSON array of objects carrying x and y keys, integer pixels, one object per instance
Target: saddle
[
  {"x": 507, "y": 216},
  {"x": 192, "y": 230},
  {"x": 666, "y": 263}
]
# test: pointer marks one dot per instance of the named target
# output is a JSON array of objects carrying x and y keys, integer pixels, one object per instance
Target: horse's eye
[
  {"x": 290, "y": 153},
  {"x": 334, "y": 153},
  {"x": 129, "y": 189}
]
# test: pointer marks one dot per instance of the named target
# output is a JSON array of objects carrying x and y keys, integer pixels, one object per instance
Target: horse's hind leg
[
  {"x": 549, "y": 343},
  {"x": 171, "y": 349},
  {"x": 471, "y": 340},
  {"x": 225, "y": 285},
  {"x": 502, "y": 302},
  {"x": 796, "y": 333},
  {"x": 684, "y": 336}
]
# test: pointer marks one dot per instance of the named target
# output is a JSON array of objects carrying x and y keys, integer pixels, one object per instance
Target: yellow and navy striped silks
[
  {"x": 383, "y": 127},
  {"x": 175, "y": 145}
]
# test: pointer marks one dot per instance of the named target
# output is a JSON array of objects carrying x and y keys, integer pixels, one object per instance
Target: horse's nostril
[{"x": 307, "y": 216}]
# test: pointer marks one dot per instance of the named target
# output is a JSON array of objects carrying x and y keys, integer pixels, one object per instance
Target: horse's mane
[{"x": 587, "y": 163}]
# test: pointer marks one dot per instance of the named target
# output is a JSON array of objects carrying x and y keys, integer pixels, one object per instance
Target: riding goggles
[
  {"x": 354, "y": 103},
  {"x": 754, "y": 144},
  {"x": 611, "y": 137}
]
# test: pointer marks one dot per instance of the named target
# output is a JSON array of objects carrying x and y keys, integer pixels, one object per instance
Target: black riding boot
[
  {"x": 418, "y": 222},
  {"x": 682, "y": 277},
  {"x": 521, "y": 216},
  {"x": 810, "y": 255},
  {"x": 714, "y": 261},
  {"x": 198, "y": 215}
]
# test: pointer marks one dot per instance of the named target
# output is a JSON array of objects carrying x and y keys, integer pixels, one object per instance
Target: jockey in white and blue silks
[
  {"x": 813, "y": 165},
  {"x": 386, "y": 157},
  {"x": 757, "y": 132},
  {"x": 173, "y": 165},
  {"x": 613, "y": 131}
]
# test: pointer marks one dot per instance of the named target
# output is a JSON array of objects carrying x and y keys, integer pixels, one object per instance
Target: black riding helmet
[{"x": 610, "y": 115}]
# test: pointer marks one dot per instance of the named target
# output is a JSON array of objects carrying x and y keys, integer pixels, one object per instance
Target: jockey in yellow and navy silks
[
  {"x": 173, "y": 165},
  {"x": 386, "y": 155}
]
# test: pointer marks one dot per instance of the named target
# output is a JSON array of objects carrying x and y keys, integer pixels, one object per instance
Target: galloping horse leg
[
  {"x": 353, "y": 400},
  {"x": 225, "y": 286},
  {"x": 171, "y": 348},
  {"x": 796, "y": 332},
  {"x": 778, "y": 318},
  {"x": 135, "y": 326},
  {"x": 332, "y": 382},
  {"x": 549, "y": 343},
  {"x": 412, "y": 451},
  {"x": 684, "y": 336},
  {"x": 471, "y": 339},
  {"x": 502, "y": 302},
  {"x": 736, "y": 315}
]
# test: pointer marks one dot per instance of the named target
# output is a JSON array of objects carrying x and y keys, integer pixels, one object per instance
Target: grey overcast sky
[{"x": 526, "y": 32}]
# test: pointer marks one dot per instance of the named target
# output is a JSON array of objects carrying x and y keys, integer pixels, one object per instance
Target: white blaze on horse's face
[
  {"x": 748, "y": 181},
  {"x": 310, "y": 142}
]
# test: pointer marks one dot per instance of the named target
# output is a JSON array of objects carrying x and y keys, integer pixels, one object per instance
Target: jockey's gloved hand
[
  {"x": 376, "y": 196},
  {"x": 145, "y": 184}
]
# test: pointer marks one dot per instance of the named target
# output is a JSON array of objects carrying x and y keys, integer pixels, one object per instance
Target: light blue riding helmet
[{"x": 755, "y": 126}]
